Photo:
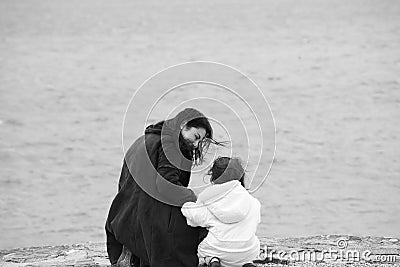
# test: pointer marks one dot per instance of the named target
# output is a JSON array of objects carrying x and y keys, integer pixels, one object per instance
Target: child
[{"x": 230, "y": 214}]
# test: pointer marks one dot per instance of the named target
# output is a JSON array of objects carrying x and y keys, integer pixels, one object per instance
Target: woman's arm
[
  {"x": 166, "y": 169},
  {"x": 168, "y": 183}
]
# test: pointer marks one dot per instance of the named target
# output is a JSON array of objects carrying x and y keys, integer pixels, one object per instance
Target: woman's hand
[{"x": 194, "y": 196}]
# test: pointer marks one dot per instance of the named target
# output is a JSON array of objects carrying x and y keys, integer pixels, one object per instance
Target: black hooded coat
[{"x": 145, "y": 215}]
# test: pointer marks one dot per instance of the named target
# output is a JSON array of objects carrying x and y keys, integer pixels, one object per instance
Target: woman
[{"x": 145, "y": 216}]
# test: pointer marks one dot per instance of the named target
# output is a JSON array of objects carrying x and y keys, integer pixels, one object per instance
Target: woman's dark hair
[
  {"x": 199, "y": 152},
  {"x": 230, "y": 168},
  {"x": 201, "y": 122}
]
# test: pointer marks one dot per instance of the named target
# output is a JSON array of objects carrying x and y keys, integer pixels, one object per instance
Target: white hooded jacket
[{"x": 231, "y": 215}]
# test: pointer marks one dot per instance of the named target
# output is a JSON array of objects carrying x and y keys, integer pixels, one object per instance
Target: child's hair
[{"x": 225, "y": 169}]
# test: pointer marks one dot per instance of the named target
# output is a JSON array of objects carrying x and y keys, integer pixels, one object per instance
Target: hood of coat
[
  {"x": 170, "y": 130},
  {"x": 154, "y": 128},
  {"x": 172, "y": 127},
  {"x": 229, "y": 202}
]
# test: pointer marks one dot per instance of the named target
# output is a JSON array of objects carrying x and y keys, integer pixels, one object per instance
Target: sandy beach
[
  {"x": 329, "y": 69},
  {"x": 295, "y": 252}
]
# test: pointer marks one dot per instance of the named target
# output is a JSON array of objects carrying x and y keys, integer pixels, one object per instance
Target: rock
[{"x": 304, "y": 251}]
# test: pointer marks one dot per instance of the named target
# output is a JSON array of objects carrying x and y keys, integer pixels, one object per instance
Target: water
[{"x": 329, "y": 70}]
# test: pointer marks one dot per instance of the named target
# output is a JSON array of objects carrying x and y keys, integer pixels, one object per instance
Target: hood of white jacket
[{"x": 228, "y": 201}]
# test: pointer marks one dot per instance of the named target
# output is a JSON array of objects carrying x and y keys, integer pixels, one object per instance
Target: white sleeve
[
  {"x": 196, "y": 214},
  {"x": 258, "y": 210}
]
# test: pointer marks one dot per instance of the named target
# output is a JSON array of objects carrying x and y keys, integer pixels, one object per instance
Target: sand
[{"x": 304, "y": 251}]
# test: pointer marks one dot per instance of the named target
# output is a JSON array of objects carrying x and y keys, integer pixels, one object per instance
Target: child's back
[{"x": 231, "y": 215}]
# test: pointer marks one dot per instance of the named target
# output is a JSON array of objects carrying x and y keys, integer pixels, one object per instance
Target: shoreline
[{"x": 303, "y": 251}]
